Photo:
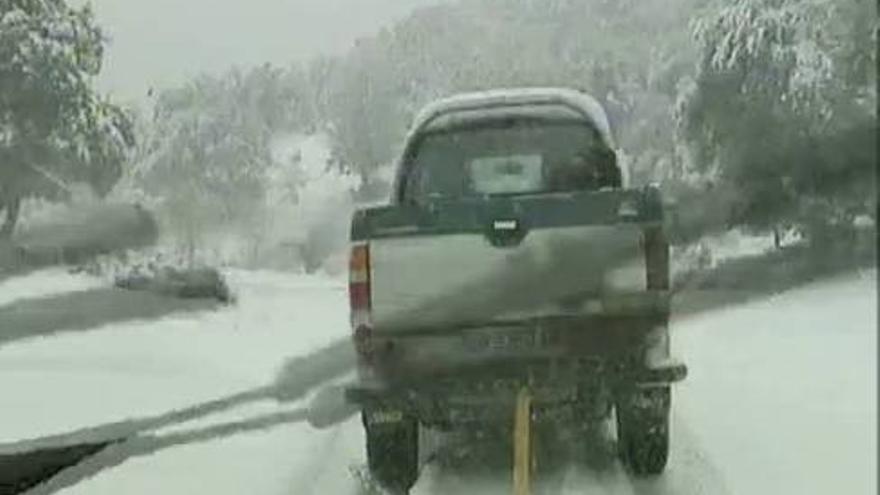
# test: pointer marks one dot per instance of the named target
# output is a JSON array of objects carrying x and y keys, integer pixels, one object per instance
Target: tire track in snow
[
  {"x": 298, "y": 377},
  {"x": 590, "y": 465},
  {"x": 145, "y": 445},
  {"x": 689, "y": 472},
  {"x": 129, "y": 438}
]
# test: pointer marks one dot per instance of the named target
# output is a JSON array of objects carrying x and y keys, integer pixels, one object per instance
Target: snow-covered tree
[
  {"x": 629, "y": 54},
  {"x": 782, "y": 105},
  {"x": 54, "y": 127},
  {"x": 206, "y": 160}
]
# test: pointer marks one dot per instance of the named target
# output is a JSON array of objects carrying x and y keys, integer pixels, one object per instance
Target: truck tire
[
  {"x": 393, "y": 454},
  {"x": 643, "y": 429}
]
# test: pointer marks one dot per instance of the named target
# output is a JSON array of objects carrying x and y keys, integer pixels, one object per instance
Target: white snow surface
[
  {"x": 44, "y": 283},
  {"x": 128, "y": 370},
  {"x": 782, "y": 393},
  {"x": 781, "y": 397}
]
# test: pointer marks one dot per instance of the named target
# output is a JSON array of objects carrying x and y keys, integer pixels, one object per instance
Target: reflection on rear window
[
  {"x": 506, "y": 174},
  {"x": 514, "y": 158}
]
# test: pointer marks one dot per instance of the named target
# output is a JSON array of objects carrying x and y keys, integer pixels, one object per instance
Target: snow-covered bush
[
  {"x": 782, "y": 107},
  {"x": 55, "y": 129},
  {"x": 163, "y": 271},
  {"x": 291, "y": 211}
]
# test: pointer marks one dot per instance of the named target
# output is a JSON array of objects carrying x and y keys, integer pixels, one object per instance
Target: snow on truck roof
[{"x": 480, "y": 103}]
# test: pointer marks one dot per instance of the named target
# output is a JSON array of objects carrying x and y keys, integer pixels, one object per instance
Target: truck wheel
[
  {"x": 393, "y": 453},
  {"x": 643, "y": 429}
]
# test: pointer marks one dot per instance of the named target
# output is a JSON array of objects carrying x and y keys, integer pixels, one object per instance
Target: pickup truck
[{"x": 512, "y": 254}]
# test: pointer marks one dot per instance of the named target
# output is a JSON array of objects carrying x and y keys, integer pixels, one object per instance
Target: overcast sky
[{"x": 155, "y": 43}]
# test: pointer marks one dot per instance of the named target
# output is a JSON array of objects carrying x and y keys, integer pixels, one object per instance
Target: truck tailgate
[{"x": 500, "y": 260}]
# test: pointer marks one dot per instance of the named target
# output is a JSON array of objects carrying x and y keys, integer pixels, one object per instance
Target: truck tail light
[
  {"x": 656, "y": 258},
  {"x": 359, "y": 285},
  {"x": 360, "y": 301}
]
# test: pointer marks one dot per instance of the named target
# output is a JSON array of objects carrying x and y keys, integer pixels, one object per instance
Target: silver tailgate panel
[{"x": 436, "y": 281}]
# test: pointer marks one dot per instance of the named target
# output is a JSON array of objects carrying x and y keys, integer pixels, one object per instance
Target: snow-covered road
[
  {"x": 133, "y": 369},
  {"x": 781, "y": 398}
]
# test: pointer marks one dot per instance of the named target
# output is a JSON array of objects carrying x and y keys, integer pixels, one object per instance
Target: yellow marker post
[{"x": 522, "y": 443}]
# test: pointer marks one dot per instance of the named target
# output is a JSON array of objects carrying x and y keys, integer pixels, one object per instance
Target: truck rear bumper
[{"x": 464, "y": 401}]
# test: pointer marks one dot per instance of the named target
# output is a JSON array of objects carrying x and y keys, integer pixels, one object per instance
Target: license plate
[{"x": 502, "y": 340}]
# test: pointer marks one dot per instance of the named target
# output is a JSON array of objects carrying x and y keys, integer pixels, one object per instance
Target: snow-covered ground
[
  {"x": 781, "y": 398},
  {"x": 783, "y": 392},
  {"x": 120, "y": 371},
  {"x": 44, "y": 284},
  {"x": 715, "y": 249}
]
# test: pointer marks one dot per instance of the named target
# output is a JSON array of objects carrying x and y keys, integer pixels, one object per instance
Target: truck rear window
[{"x": 520, "y": 157}]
